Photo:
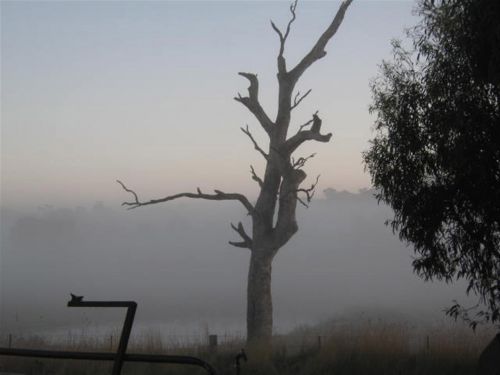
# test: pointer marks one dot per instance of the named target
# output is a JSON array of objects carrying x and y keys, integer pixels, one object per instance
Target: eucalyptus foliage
[{"x": 435, "y": 156}]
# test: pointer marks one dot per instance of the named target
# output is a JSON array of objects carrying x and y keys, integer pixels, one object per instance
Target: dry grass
[{"x": 368, "y": 348}]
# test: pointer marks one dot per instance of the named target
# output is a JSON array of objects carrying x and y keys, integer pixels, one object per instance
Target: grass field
[{"x": 369, "y": 348}]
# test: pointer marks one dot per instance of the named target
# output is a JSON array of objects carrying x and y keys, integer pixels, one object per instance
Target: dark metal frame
[{"x": 120, "y": 356}]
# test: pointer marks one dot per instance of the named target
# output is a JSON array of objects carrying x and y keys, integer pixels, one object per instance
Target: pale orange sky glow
[{"x": 143, "y": 92}]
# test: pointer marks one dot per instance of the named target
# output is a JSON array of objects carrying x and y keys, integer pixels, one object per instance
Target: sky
[
  {"x": 143, "y": 92},
  {"x": 92, "y": 92}
]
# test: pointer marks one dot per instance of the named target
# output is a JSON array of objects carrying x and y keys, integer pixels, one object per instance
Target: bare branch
[
  {"x": 252, "y": 102},
  {"x": 293, "y": 6},
  {"x": 302, "y": 202},
  {"x": 300, "y": 162},
  {"x": 283, "y": 37},
  {"x": 253, "y": 89},
  {"x": 257, "y": 147},
  {"x": 307, "y": 123},
  {"x": 318, "y": 50},
  {"x": 218, "y": 196},
  {"x": 247, "y": 241},
  {"x": 297, "y": 100},
  {"x": 255, "y": 177},
  {"x": 241, "y": 244},
  {"x": 278, "y": 31},
  {"x": 309, "y": 192},
  {"x": 136, "y": 198},
  {"x": 305, "y": 135}
]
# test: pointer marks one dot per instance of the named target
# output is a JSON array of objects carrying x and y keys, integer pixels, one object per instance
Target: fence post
[
  {"x": 111, "y": 342},
  {"x": 319, "y": 342},
  {"x": 427, "y": 343},
  {"x": 10, "y": 340},
  {"x": 212, "y": 343}
]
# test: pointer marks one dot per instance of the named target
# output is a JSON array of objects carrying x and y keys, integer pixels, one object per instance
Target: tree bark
[
  {"x": 259, "y": 300},
  {"x": 274, "y": 214}
]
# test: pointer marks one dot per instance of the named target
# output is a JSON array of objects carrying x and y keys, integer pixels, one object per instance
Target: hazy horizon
[
  {"x": 176, "y": 262},
  {"x": 143, "y": 92}
]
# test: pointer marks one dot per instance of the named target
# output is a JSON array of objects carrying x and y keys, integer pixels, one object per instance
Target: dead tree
[{"x": 274, "y": 213}]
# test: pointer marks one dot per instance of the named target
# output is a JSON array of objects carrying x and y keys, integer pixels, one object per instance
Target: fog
[
  {"x": 99, "y": 89},
  {"x": 174, "y": 260}
]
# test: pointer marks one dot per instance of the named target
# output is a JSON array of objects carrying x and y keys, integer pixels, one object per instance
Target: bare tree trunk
[
  {"x": 274, "y": 214},
  {"x": 259, "y": 300}
]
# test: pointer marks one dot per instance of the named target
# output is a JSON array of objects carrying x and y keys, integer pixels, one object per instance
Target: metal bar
[
  {"x": 120, "y": 356},
  {"x": 81, "y": 303},
  {"x": 178, "y": 359},
  {"x": 151, "y": 358},
  {"x": 77, "y": 301},
  {"x": 122, "y": 347},
  {"x": 57, "y": 354}
]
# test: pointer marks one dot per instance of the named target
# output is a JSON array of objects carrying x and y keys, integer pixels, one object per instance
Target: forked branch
[
  {"x": 247, "y": 241},
  {"x": 318, "y": 50},
  {"x": 305, "y": 125},
  {"x": 252, "y": 102},
  {"x": 283, "y": 37},
  {"x": 298, "y": 98},
  {"x": 308, "y": 192},
  {"x": 300, "y": 162},
  {"x": 305, "y": 135},
  {"x": 218, "y": 196}
]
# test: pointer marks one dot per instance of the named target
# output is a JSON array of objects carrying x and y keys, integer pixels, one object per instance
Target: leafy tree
[
  {"x": 274, "y": 213},
  {"x": 435, "y": 157}
]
